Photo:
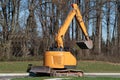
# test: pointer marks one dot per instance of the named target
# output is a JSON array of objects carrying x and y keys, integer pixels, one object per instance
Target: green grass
[
  {"x": 86, "y": 66},
  {"x": 71, "y": 78},
  {"x": 20, "y": 67},
  {"x": 98, "y": 66}
]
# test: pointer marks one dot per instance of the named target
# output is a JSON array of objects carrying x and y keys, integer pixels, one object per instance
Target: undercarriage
[{"x": 36, "y": 71}]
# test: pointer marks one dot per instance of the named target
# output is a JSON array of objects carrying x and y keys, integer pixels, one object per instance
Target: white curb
[
  {"x": 13, "y": 74},
  {"x": 102, "y": 74}
]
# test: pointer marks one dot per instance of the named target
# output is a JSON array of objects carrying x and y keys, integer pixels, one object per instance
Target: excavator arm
[
  {"x": 64, "y": 28},
  {"x": 75, "y": 12}
]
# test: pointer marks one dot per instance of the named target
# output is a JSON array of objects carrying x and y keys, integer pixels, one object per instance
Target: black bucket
[{"x": 85, "y": 44}]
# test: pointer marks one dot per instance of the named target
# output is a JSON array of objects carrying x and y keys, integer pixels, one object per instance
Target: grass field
[
  {"x": 19, "y": 67},
  {"x": 86, "y": 66},
  {"x": 98, "y": 66},
  {"x": 70, "y": 78}
]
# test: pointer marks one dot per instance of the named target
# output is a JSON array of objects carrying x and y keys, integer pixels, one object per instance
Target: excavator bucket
[{"x": 85, "y": 44}]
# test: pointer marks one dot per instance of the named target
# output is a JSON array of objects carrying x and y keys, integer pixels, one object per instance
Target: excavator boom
[
  {"x": 64, "y": 28},
  {"x": 75, "y": 12}
]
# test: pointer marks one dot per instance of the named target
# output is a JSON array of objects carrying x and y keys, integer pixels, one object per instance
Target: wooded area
[{"x": 28, "y": 27}]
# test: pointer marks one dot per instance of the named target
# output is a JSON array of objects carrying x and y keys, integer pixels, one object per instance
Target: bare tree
[
  {"x": 8, "y": 14},
  {"x": 118, "y": 24},
  {"x": 108, "y": 27},
  {"x": 98, "y": 32}
]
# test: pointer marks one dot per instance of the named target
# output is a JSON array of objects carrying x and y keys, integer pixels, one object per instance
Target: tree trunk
[
  {"x": 108, "y": 28},
  {"x": 98, "y": 34},
  {"x": 118, "y": 26}
]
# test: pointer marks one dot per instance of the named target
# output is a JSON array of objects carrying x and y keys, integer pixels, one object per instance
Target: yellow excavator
[{"x": 57, "y": 61}]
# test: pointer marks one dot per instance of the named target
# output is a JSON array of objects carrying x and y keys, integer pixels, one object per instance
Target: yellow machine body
[{"x": 59, "y": 59}]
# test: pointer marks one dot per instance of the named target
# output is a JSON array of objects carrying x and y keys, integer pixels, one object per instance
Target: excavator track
[
  {"x": 36, "y": 71},
  {"x": 66, "y": 72}
]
